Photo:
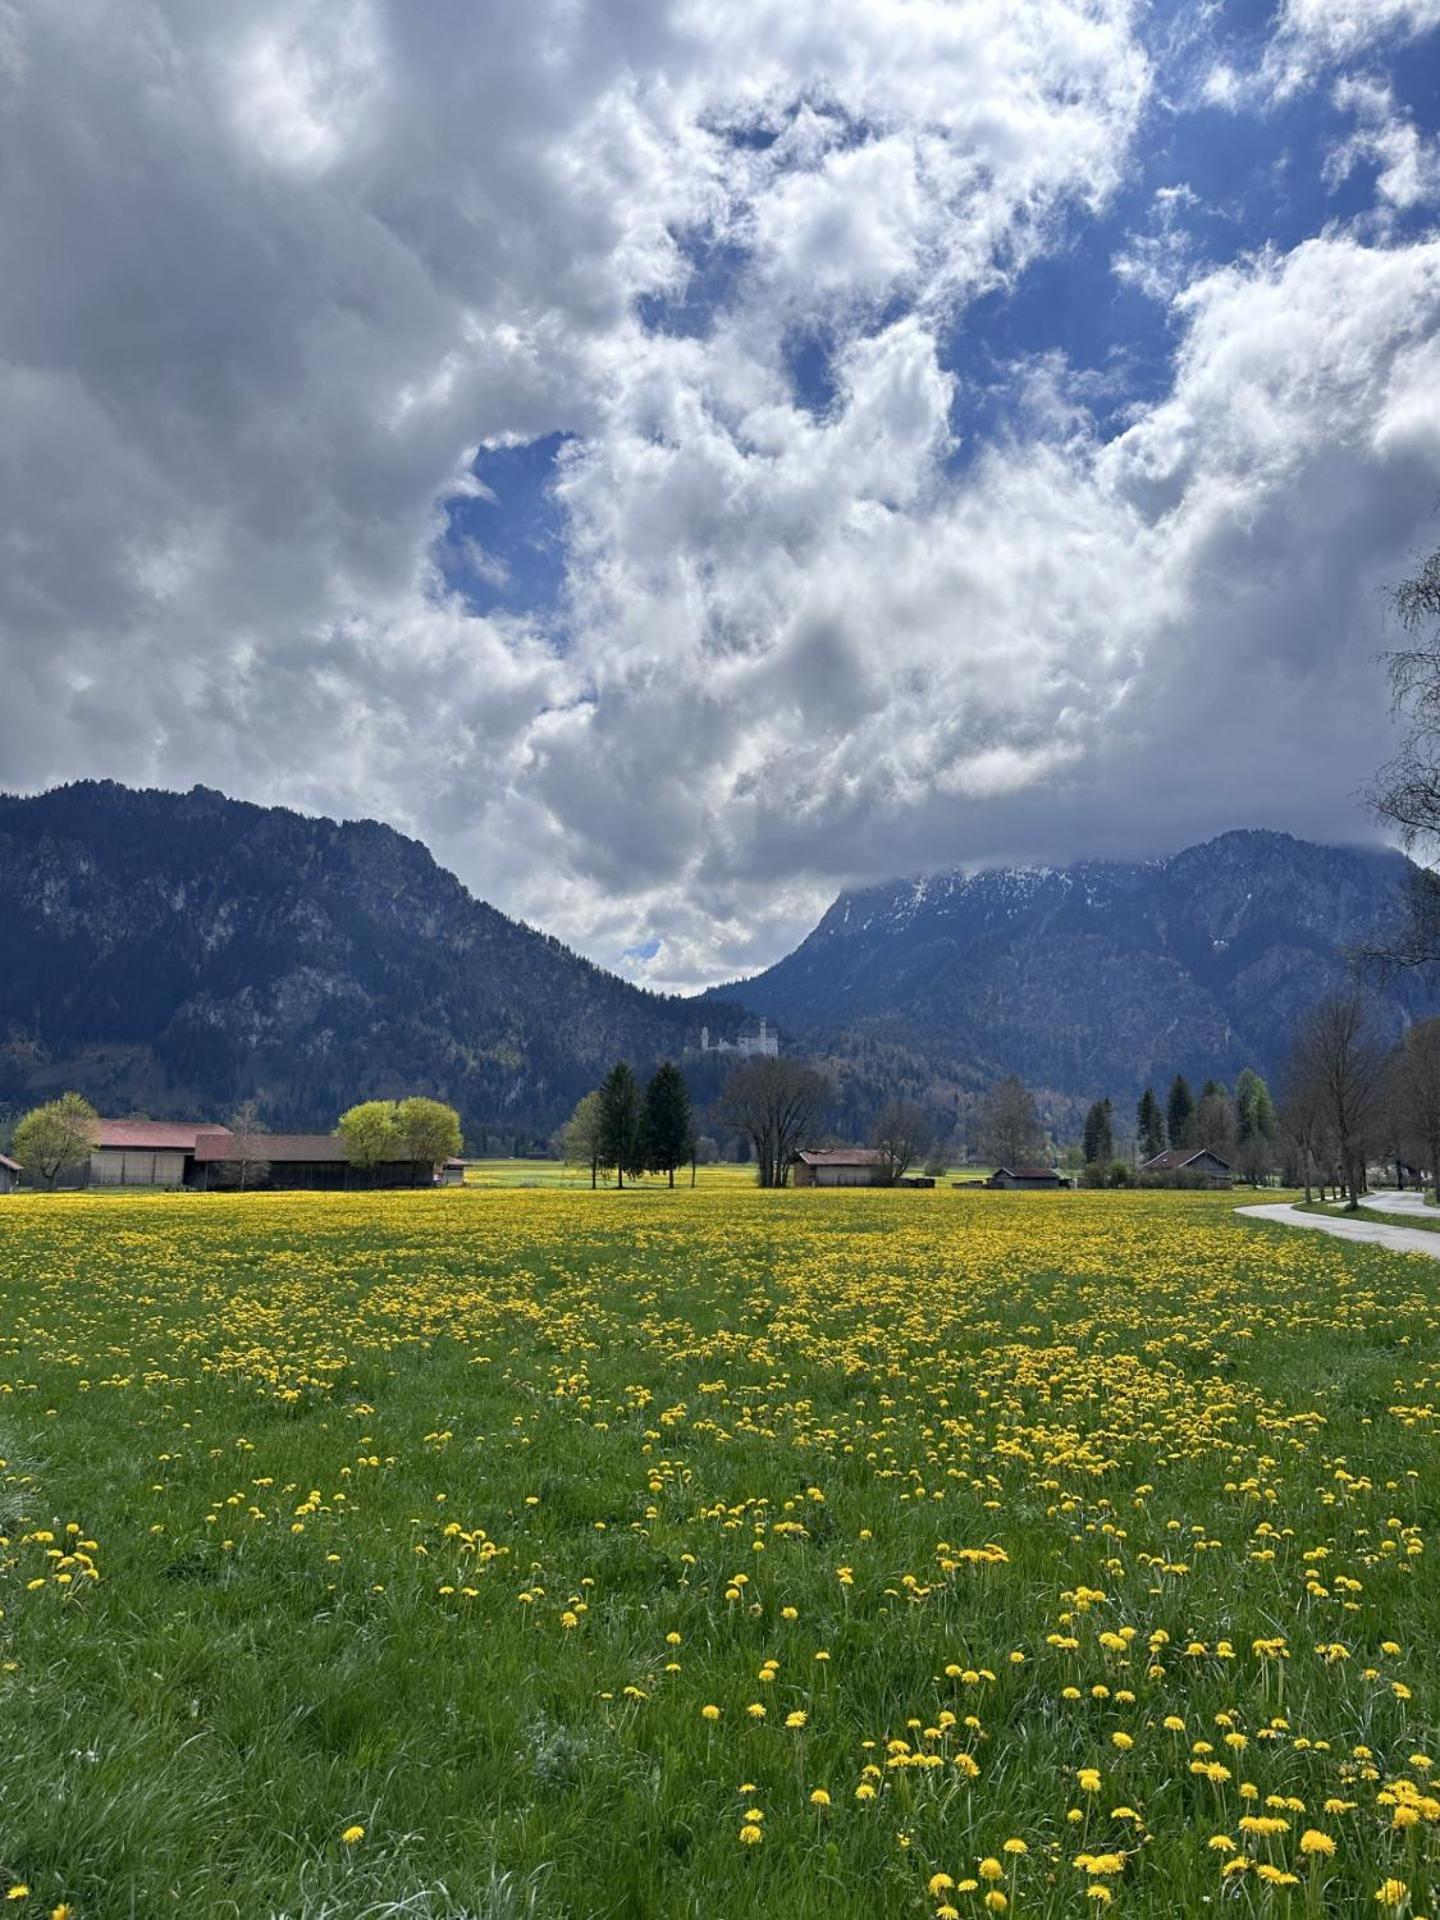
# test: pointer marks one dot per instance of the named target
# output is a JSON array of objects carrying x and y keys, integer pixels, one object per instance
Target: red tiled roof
[
  {"x": 152, "y": 1135},
  {"x": 841, "y": 1156}
]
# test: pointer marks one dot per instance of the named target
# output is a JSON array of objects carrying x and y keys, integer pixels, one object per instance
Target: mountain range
[
  {"x": 1102, "y": 977},
  {"x": 174, "y": 953}
]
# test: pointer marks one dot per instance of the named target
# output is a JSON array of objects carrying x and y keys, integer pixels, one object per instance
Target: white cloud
[
  {"x": 1311, "y": 36},
  {"x": 314, "y": 256},
  {"x": 1407, "y": 165},
  {"x": 1160, "y": 261},
  {"x": 1336, "y": 30},
  {"x": 1080, "y": 645}
]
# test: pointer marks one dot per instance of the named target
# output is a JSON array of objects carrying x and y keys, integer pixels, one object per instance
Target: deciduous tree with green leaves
[
  {"x": 428, "y": 1132},
  {"x": 55, "y": 1136},
  {"x": 582, "y": 1133},
  {"x": 368, "y": 1131}
]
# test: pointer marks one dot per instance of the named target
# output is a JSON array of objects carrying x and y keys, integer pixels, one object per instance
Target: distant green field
[{"x": 552, "y": 1174}]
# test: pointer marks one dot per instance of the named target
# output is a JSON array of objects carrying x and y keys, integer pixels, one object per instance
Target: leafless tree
[
  {"x": 1302, "y": 1118},
  {"x": 1213, "y": 1125},
  {"x": 1337, "y": 1064},
  {"x": 1010, "y": 1130},
  {"x": 1406, "y": 793},
  {"x": 902, "y": 1136},
  {"x": 249, "y": 1164},
  {"x": 776, "y": 1103},
  {"x": 1416, "y": 1079}
]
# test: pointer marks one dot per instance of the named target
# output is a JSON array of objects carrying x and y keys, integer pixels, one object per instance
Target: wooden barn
[
  {"x": 1190, "y": 1166},
  {"x": 294, "y": 1160},
  {"x": 1027, "y": 1179},
  {"x": 193, "y": 1153},
  {"x": 9, "y": 1174},
  {"x": 142, "y": 1153},
  {"x": 840, "y": 1167}
]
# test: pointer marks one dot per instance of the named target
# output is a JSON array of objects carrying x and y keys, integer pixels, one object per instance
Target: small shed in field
[
  {"x": 452, "y": 1174},
  {"x": 9, "y": 1174},
  {"x": 1190, "y": 1166},
  {"x": 840, "y": 1167},
  {"x": 1026, "y": 1179}
]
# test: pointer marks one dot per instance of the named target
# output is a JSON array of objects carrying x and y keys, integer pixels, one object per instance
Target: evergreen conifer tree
[
  {"x": 622, "y": 1131},
  {"x": 1099, "y": 1134},
  {"x": 1150, "y": 1125},
  {"x": 669, "y": 1121},
  {"x": 1179, "y": 1111}
]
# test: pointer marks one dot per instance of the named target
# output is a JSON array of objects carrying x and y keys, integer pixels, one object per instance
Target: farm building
[
  {"x": 840, "y": 1167},
  {"x": 452, "y": 1174},
  {"x": 1026, "y": 1179},
  {"x": 1191, "y": 1166},
  {"x": 192, "y": 1153},
  {"x": 294, "y": 1160},
  {"x": 9, "y": 1174},
  {"x": 141, "y": 1153}
]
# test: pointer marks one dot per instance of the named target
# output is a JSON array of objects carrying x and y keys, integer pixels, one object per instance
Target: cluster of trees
[
  {"x": 776, "y": 1105},
  {"x": 621, "y": 1130},
  {"x": 417, "y": 1132},
  {"x": 1241, "y": 1126}
]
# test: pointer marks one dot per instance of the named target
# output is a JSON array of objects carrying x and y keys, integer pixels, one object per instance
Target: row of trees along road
[
  {"x": 1350, "y": 1101},
  {"x": 619, "y": 1129}
]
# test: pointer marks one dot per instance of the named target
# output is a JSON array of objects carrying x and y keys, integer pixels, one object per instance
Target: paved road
[
  {"x": 1409, "y": 1202},
  {"x": 1398, "y": 1238}
]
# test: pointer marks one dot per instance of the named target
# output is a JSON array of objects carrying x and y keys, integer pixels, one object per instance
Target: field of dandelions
[{"x": 756, "y": 1556}]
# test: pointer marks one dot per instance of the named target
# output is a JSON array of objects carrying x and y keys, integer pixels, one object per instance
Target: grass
[
  {"x": 446, "y": 1516},
  {"x": 553, "y": 1174}
]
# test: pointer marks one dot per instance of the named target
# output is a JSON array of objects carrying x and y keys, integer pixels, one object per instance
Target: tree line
[{"x": 1240, "y": 1126}]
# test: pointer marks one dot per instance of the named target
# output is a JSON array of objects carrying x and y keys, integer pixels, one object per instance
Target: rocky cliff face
[
  {"x": 1101, "y": 977},
  {"x": 176, "y": 952}
]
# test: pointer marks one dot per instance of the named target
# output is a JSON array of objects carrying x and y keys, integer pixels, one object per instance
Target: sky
[{"x": 681, "y": 457}]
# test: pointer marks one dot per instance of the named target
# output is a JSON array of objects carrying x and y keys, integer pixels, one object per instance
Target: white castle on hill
[{"x": 750, "y": 1041}]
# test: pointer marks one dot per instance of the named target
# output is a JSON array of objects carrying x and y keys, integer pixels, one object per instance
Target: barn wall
[{"x": 137, "y": 1167}]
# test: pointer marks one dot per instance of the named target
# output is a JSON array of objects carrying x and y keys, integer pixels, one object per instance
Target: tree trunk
[{"x": 672, "y": 1179}]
